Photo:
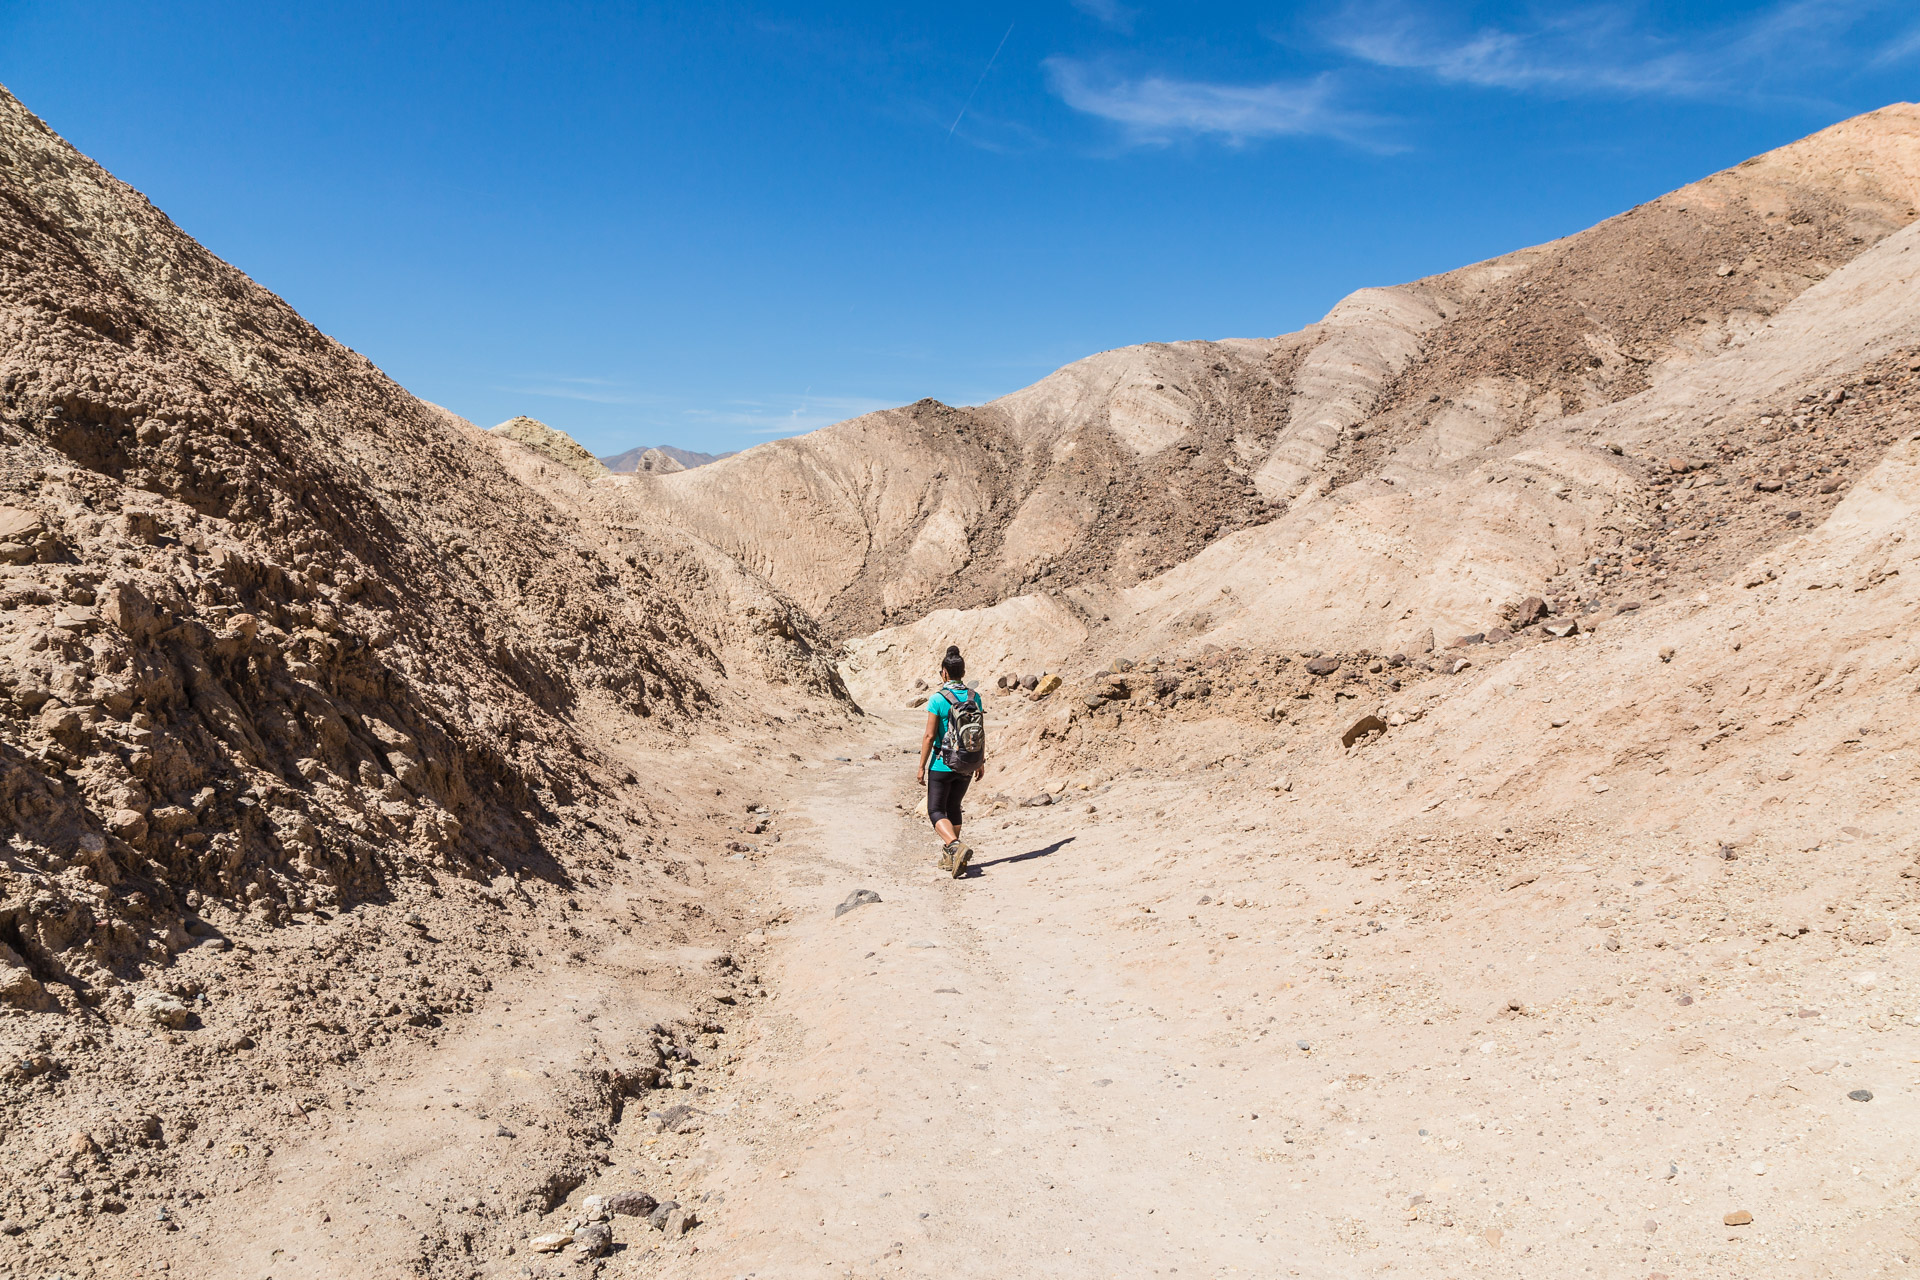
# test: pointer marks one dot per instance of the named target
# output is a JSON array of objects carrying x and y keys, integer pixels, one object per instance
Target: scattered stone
[
  {"x": 595, "y": 1240},
  {"x": 658, "y": 1218},
  {"x": 8, "y": 1227},
  {"x": 858, "y": 898},
  {"x": 917, "y": 701},
  {"x": 1040, "y": 801},
  {"x": 501, "y": 1131},
  {"x": 161, "y": 1009},
  {"x": 1861, "y": 1095},
  {"x": 1322, "y": 666},
  {"x": 1666, "y": 653},
  {"x": 679, "y": 1222},
  {"x": 631, "y": 1204},
  {"x": 1281, "y": 783},
  {"x": 1046, "y": 686},
  {"x": 675, "y": 1119},
  {"x": 1306, "y": 1046},
  {"x": 1458, "y": 665},
  {"x": 1767, "y": 486},
  {"x": 1361, "y": 728},
  {"x": 1738, "y": 1218},
  {"x": 1498, "y": 635},
  {"x": 1563, "y": 628},
  {"x": 553, "y": 1242}
]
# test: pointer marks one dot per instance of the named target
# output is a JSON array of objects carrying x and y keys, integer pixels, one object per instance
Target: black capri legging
[{"x": 945, "y": 791}]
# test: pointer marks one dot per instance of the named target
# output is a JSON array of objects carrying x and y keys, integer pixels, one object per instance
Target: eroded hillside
[
  {"x": 1123, "y": 465},
  {"x": 301, "y": 692}
]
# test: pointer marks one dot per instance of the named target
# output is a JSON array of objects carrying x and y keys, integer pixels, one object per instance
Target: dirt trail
[{"x": 959, "y": 1084}]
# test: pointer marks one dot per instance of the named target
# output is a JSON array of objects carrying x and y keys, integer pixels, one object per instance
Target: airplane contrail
[{"x": 982, "y": 80}]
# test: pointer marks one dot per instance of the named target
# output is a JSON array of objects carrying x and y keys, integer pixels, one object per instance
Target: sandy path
[{"x": 955, "y": 1082}]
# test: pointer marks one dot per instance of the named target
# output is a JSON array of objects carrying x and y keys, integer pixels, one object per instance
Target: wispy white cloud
[
  {"x": 1900, "y": 48},
  {"x": 1160, "y": 109},
  {"x": 1108, "y": 13},
  {"x": 1604, "y": 48}
]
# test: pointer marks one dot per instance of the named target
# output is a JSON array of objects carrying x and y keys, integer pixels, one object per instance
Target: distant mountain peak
[{"x": 659, "y": 459}]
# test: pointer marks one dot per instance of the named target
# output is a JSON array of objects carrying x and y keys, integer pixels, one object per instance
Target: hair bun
[{"x": 953, "y": 651}]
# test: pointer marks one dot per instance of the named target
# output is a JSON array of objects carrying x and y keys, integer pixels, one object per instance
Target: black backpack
[{"x": 964, "y": 748}]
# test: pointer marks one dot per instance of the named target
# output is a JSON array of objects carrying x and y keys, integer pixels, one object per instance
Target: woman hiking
[{"x": 953, "y": 752}]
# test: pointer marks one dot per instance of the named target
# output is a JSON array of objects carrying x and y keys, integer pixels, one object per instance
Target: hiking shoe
[
  {"x": 947, "y": 853},
  {"x": 961, "y": 856}
]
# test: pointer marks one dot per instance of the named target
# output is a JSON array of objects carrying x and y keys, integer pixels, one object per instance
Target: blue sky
[{"x": 710, "y": 225}]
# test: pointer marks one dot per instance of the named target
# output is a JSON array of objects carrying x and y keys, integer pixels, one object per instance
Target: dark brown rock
[
  {"x": 631, "y": 1204},
  {"x": 1361, "y": 728}
]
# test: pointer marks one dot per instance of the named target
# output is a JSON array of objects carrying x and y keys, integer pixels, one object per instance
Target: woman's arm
[{"x": 926, "y": 745}]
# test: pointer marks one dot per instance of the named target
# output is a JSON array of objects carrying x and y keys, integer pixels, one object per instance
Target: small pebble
[
  {"x": 1861, "y": 1095},
  {"x": 1304, "y": 1044}
]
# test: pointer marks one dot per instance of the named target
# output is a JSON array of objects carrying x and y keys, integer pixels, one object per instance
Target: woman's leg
[
  {"x": 942, "y": 806},
  {"x": 961, "y": 853}
]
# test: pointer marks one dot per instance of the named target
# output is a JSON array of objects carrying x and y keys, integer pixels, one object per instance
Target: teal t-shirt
[{"x": 938, "y": 707}]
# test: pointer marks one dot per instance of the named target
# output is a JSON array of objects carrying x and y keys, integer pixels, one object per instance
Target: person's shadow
[{"x": 976, "y": 868}]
